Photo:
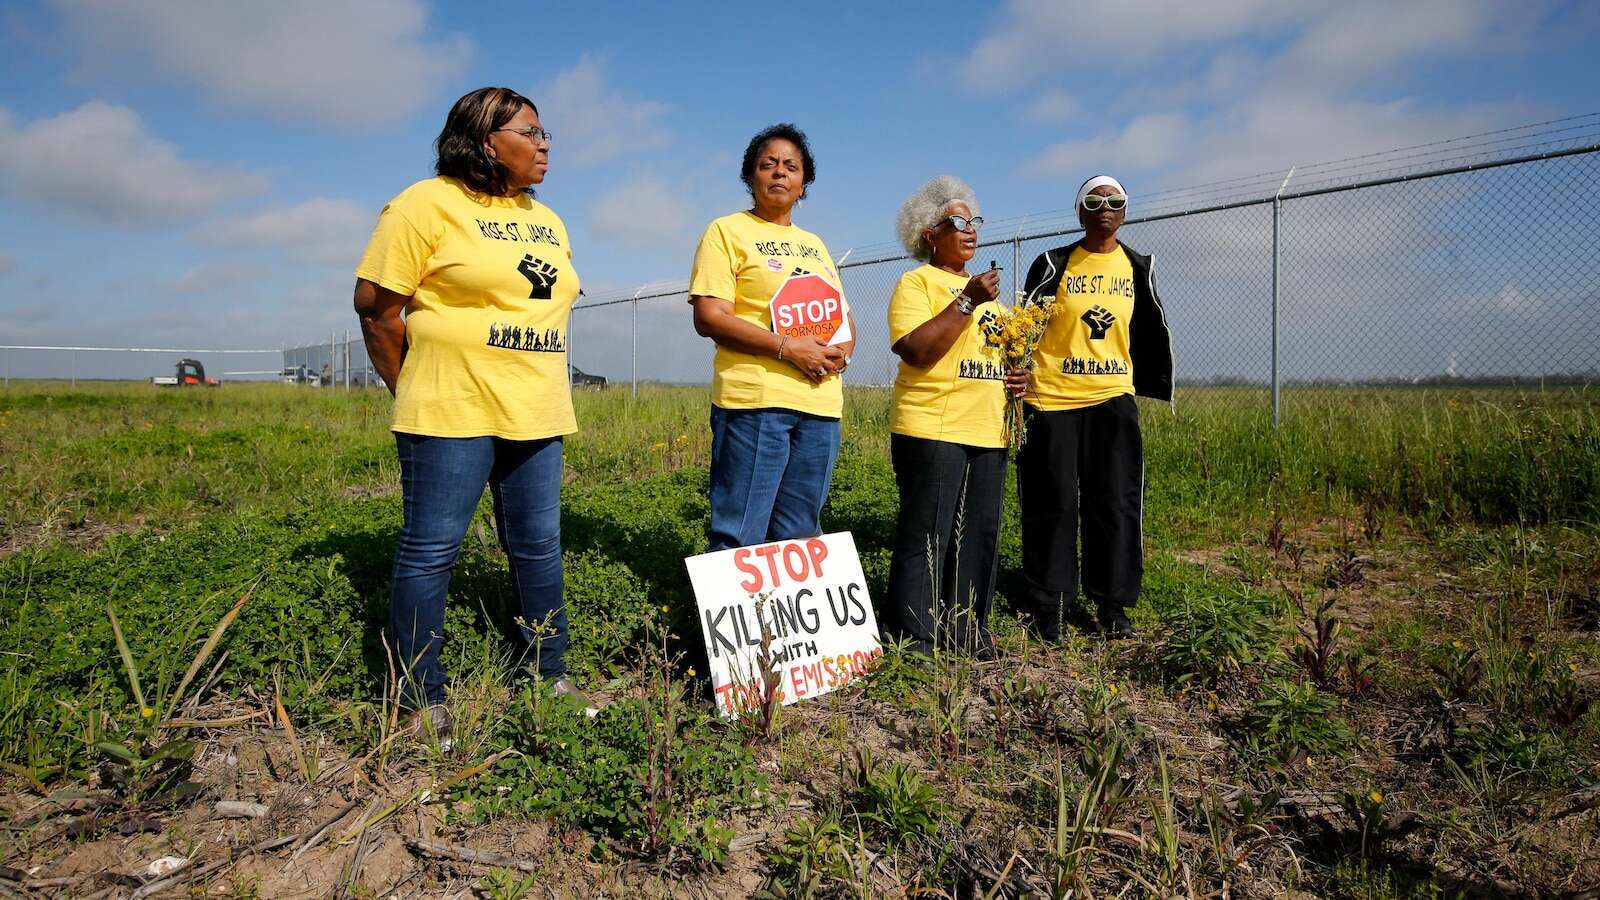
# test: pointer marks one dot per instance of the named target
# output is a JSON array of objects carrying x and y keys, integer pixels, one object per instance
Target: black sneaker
[
  {"x": 1116, "y": 627},
  {"x": 1048, "y": 630},
  {"x": 986, "y": 650}
]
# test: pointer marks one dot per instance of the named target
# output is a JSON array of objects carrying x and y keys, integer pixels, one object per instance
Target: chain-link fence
[
  {"x": 340, "y": 362},
  {"x": 1487, "y": 270},
  {"x": 1474, "y": 260},
  {"x": 74, "y": 364}
]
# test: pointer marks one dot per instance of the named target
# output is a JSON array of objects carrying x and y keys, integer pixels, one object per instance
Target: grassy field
[{"x": 1368, "y": 668}]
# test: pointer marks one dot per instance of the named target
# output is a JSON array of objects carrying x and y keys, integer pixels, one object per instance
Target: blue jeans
[
  {"x": 443, "y": 479},
  {"x": 770, "y": 470}
]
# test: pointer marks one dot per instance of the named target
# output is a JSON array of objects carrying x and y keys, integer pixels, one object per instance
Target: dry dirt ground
[{"x": 365, "y": 829}]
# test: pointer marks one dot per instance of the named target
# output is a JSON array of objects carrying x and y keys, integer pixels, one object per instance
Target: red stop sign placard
[{"x": 806, "y": 305}]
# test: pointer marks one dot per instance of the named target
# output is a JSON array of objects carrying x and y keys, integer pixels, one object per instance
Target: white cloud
[
  {"x": 316, "y": 308},
  {"x": 220, "y": 277},
  {"x": 1053, "y": 107},
  {"x": 1351, "y": 43},
  {"x": 1512, "y": 299},
  {"x": 1265, "y": 133},
  {"x": 32, "y": 313},
  {"x": 1109, "y": 44},
  {"x": 591, "y": 121},
  {"x": 320, "y": 230},
  {"x": 348, "y": 64},
  {"x": 1146, "y": 142},
  {"x": 641, "y": 212},
  {"x": 1037, "y": 37},
  {"x": 98, "y": 161}
]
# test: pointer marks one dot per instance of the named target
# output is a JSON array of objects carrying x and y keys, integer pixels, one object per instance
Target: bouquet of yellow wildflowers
[{"x": 1019, "y": 330}]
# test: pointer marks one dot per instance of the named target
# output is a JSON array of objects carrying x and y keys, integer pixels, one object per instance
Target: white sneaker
[
  {"x": 435, "y": 722},
  {"x": 564, "y": 688}
]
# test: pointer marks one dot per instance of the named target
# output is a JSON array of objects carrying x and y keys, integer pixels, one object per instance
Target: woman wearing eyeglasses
[
  {"x": 947, "y": 426},
  {"x": 765, "y": 290},
  {"x": 478, "y": 366},
  {"x": 1083, "y": 459}
]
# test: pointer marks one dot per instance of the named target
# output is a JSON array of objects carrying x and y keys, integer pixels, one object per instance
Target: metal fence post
[
  {"x": 1016, "y": 261},
  {"x": 72, "y": 366},
  {"x": 1277, "y": 208},
  {"x": 633, "y": 338}
]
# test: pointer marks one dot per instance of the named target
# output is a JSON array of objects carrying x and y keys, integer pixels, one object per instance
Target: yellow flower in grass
[
  {"x": 147, "y": 712},
  {"x": 1376, "y": 796},
  {"x": 1311, "y": 763},
  {"x": 689, "y": 672}
]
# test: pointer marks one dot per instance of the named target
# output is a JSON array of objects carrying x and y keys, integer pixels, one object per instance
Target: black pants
[
  {"x": 947, "y": 537},
  {"x": 1083, "y": 464}
]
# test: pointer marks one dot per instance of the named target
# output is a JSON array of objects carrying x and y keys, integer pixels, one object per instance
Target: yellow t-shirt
[
  {"x": 745, "y": 259},
  {"x": 961, "y": 398},
  {"x": 1083, "y": 357},
  {"x": 491, "y": 285}
]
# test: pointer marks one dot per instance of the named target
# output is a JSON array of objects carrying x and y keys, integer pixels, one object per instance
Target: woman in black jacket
[{"x": 1083, "y": 459}]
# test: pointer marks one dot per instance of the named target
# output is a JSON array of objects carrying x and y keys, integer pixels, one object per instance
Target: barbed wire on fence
[
  {"x": 1468, "y": 258},
  {"x": 1405, "y": 275}
]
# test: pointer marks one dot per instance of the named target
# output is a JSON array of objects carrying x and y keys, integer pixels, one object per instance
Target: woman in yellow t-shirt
[
  {"x": 947, "y": 427},
  {"x": 765, "y": 290},
  {"x": 1084, "y": 455},
  {"x": 478, "y": 366}
]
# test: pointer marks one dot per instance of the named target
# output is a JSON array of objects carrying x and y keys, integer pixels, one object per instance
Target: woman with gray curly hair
[{"x": 947, "y": 427}]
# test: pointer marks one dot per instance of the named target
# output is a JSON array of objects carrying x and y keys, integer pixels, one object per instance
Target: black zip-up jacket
[{"x": 1149, "y": 339}]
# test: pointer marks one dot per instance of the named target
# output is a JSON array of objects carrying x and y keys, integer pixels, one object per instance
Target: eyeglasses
[
  {"x": 1092, "y": 202},
  {"x": 962, "y": 223},
  {"x": 532, "y": 134}
]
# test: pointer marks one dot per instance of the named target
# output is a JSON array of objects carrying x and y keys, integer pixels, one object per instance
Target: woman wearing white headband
[{"x": 1083, "y": 459}]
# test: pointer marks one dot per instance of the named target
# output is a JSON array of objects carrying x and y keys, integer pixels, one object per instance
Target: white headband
[{"x": 1099, "y": 181}]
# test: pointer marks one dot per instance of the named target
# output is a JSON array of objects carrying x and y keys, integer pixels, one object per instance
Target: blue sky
[{"x": 189, "y": 172}]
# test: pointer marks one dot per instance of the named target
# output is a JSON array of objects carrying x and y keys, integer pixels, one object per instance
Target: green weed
[
  {"x": 899, "y": 676},
  {"x": 901, "y": 806},
  {"x": 815, "y": 858},
  {"x": 1214, "y": 634},
  {"x": 1292, "y": 720},
  {"x": 1501, "y": 752},
  {"x": 593, "y": 773},
  {"x": 501, "y": 884}
]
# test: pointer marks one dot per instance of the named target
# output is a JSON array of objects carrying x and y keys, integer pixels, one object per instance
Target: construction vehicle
[
  {"x": 189, "y": 373},
  {"x": 580, "y": 378}
]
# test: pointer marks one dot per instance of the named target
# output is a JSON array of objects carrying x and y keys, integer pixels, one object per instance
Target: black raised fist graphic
[
  {"x": 540, "y": 274},
  {"x": 1099, "y": 319},
  {"x": 990, "y": 324}
]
